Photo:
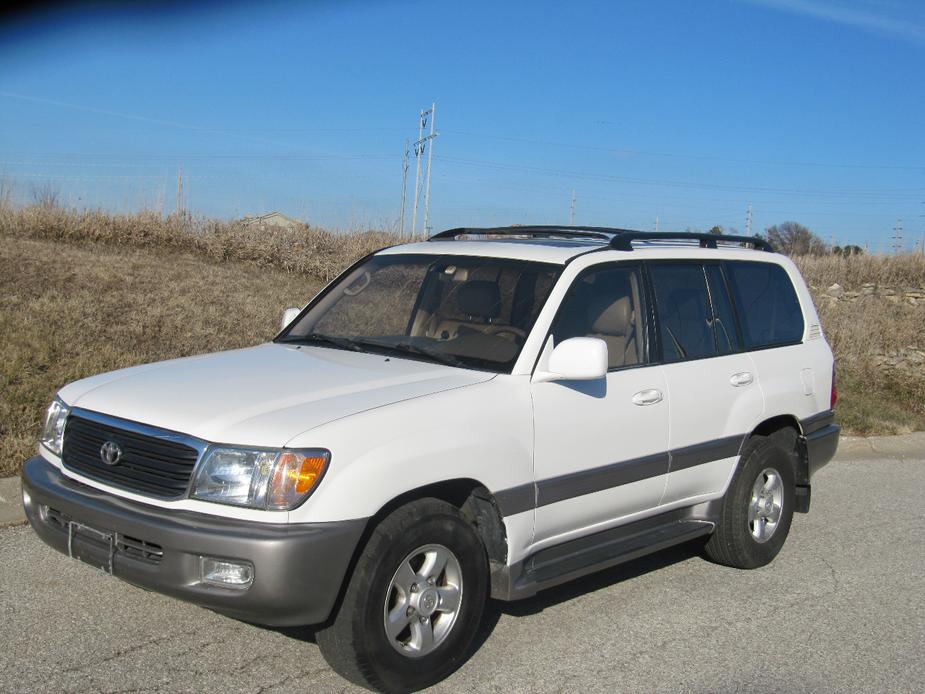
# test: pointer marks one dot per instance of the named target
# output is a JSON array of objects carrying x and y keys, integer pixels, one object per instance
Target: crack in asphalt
[{"x": 126, "y": 651}]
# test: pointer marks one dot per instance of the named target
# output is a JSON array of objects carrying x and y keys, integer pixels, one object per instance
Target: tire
[
  {"x": 397, "y": 556},
  {"x": 763, "y": 482}
]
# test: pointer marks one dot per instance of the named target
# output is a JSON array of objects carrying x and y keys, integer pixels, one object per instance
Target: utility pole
[
  {"x": 430, "y": 154},
  {"x": 179, "y": 191},
  {"x": 419, "y": 148},
  {"x": 417, "y": 173},
  {"x": 571, "y": 211},
  {"x": 898, "y": 236},
  {"x": 748, "y": 220},
  {"x": 404, "y": 185}
]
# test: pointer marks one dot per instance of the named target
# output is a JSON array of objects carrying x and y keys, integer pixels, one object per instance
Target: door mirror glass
[
  {"x": 576, "y": 359},
  {"x": 289, "y": 315}
]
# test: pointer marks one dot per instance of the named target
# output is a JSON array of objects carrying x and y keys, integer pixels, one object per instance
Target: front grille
[{"x": 151, "y": 465}]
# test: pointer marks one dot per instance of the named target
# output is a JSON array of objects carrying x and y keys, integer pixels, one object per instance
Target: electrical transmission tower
[
  {"x": 898, "y": 236},
  {"x": 419, "y": 148},
  {"x": 748, "y": 220},
  {"x": 571, "y": 211}
]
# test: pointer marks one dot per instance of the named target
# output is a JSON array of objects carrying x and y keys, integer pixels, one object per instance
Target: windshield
[{"x": 456, "y": 310}]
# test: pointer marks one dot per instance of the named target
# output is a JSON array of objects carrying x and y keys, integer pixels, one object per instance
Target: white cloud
[{"x": 884, "y": 17}]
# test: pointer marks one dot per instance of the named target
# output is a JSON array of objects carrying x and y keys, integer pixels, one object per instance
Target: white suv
[{"x": 491, "y": 412}]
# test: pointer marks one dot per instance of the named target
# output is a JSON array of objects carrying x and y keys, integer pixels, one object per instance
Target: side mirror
[
  {"x": 575, "y": 359},
  {"x": 289, "y": 315}
]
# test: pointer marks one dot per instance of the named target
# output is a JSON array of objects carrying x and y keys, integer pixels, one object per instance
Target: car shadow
[{"x": 591, "y": 583}]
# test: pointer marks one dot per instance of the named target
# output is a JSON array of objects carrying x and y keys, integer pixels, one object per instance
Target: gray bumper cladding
[
  {"x": 821, "y": 446},
  {"x": 298, "y": 568}
]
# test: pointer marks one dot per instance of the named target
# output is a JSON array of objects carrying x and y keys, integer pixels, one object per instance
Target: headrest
[
  {"x": 481, "y": 299},
  {"x": 614, "y": 319}
]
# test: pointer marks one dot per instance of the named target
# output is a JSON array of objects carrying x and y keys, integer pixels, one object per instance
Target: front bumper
[{"x": 298, "y": 568}]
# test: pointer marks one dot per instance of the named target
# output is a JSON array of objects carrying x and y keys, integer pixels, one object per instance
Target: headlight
[
  {"x": 266, "y": 479},
  {"x": 53, "y": 432}
]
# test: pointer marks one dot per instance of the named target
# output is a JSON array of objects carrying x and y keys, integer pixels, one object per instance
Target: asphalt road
[{"x": 841, "y": 609}]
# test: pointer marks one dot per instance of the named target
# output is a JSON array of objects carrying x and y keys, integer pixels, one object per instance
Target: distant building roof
[{"x": 273, "y": 219}]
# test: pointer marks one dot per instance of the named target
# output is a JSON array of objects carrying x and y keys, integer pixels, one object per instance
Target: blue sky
[{"x": 810, "y": 110}]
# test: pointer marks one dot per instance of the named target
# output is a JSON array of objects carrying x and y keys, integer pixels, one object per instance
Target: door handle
[
  {"x": 647, "y": 397},
  {"x": 743, "y": 378}
]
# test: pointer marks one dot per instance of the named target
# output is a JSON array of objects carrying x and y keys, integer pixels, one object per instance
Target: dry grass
[
  {"x": 875, "y": 398},
  {"x": 852, "y": 272},
  {"x": 310, "y": 251},
  {"x": 82, "y": 293},
  {"x": 68, "y": 312}
]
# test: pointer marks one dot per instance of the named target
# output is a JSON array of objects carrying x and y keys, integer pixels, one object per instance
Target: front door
[{"x": 601, "y": 446}]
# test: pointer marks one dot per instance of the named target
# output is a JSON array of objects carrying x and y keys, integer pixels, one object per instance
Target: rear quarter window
[{"x": 767, "y": 304}]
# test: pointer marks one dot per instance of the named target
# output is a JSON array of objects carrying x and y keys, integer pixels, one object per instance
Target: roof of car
[{"x": 558, "y": 245}]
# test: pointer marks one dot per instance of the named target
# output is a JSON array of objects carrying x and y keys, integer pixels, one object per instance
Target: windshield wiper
[
  {"x": 318, "y": 338},
  {"x": 407, "y": 347}
]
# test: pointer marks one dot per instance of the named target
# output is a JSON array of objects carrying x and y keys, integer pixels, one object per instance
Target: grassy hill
[{"x": 82, "y": 293}]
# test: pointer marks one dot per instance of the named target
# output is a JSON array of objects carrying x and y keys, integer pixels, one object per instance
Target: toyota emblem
[{"x": 110, "y": 453}]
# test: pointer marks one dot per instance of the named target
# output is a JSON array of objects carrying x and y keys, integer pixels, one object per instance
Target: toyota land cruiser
[{"x": 491, "y": 412}]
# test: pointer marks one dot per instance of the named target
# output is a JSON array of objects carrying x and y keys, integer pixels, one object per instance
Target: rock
[{"x": 836, "y": 290}]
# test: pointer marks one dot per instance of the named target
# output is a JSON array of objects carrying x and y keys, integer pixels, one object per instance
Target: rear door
[
  {"x": 712, "y": 384},
  {"x": 601, "y": 446}
]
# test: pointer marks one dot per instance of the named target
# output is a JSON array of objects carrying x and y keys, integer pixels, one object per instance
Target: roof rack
[
  {"x": 624, "y": 240},
  {"x": 617, "y": 239},
  {"x": 534, "y": 231}
]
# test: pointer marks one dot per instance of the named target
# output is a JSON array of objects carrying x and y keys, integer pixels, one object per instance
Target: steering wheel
[{"x": 506, "y": 331}]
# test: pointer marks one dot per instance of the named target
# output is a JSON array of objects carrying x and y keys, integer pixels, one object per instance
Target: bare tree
[
  {"x": 45, "y": 195},
  {"x": 793, "y": 238}
]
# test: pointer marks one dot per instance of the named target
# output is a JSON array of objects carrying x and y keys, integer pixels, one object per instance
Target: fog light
[{"x": 228, "y": 574}]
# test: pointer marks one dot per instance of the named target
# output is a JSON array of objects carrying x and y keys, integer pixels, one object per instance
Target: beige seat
[{"x": 615, "y": 325}]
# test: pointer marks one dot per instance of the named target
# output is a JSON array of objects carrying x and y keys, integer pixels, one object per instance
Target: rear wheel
[
  {"x": 413, "y": 603},
  {"x": 757, "y": 509}
]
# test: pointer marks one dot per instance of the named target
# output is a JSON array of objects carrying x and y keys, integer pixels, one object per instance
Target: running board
[{"x": 570, "y": 560}]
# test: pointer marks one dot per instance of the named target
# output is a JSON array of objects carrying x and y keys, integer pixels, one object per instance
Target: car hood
[{"x": 261, "y": 396}]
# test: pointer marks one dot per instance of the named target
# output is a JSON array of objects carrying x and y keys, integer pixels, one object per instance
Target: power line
[
  {"x": 677, "y": 155},
  {"x": 884, "y": 194}
]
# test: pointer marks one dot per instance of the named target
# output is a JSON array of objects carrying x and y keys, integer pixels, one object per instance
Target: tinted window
[
  {"x": 766, "y": 303},
  {"x": 724, "y": 327},
  {"x": 606, "y": 303},
  {"x": 684, "y": 314}
]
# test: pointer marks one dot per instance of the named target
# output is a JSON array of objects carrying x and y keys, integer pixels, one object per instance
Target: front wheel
[
  {"x": 413, "y": 603},
  {"x": 757, "y": 509}
]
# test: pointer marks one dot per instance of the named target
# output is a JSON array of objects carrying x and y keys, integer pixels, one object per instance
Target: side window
[
  {"x": 606, "y": 303},
  {"x": 724, "y": 327},
  {"x": 767, "y": 304},
  {"x": 684, "y": 314}
]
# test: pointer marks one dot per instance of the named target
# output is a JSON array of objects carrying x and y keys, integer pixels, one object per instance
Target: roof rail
[
  {"x": 618, "y": 239},
  {"x": 624, "y": 241},
  {"x": 541, "y": 231}
]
